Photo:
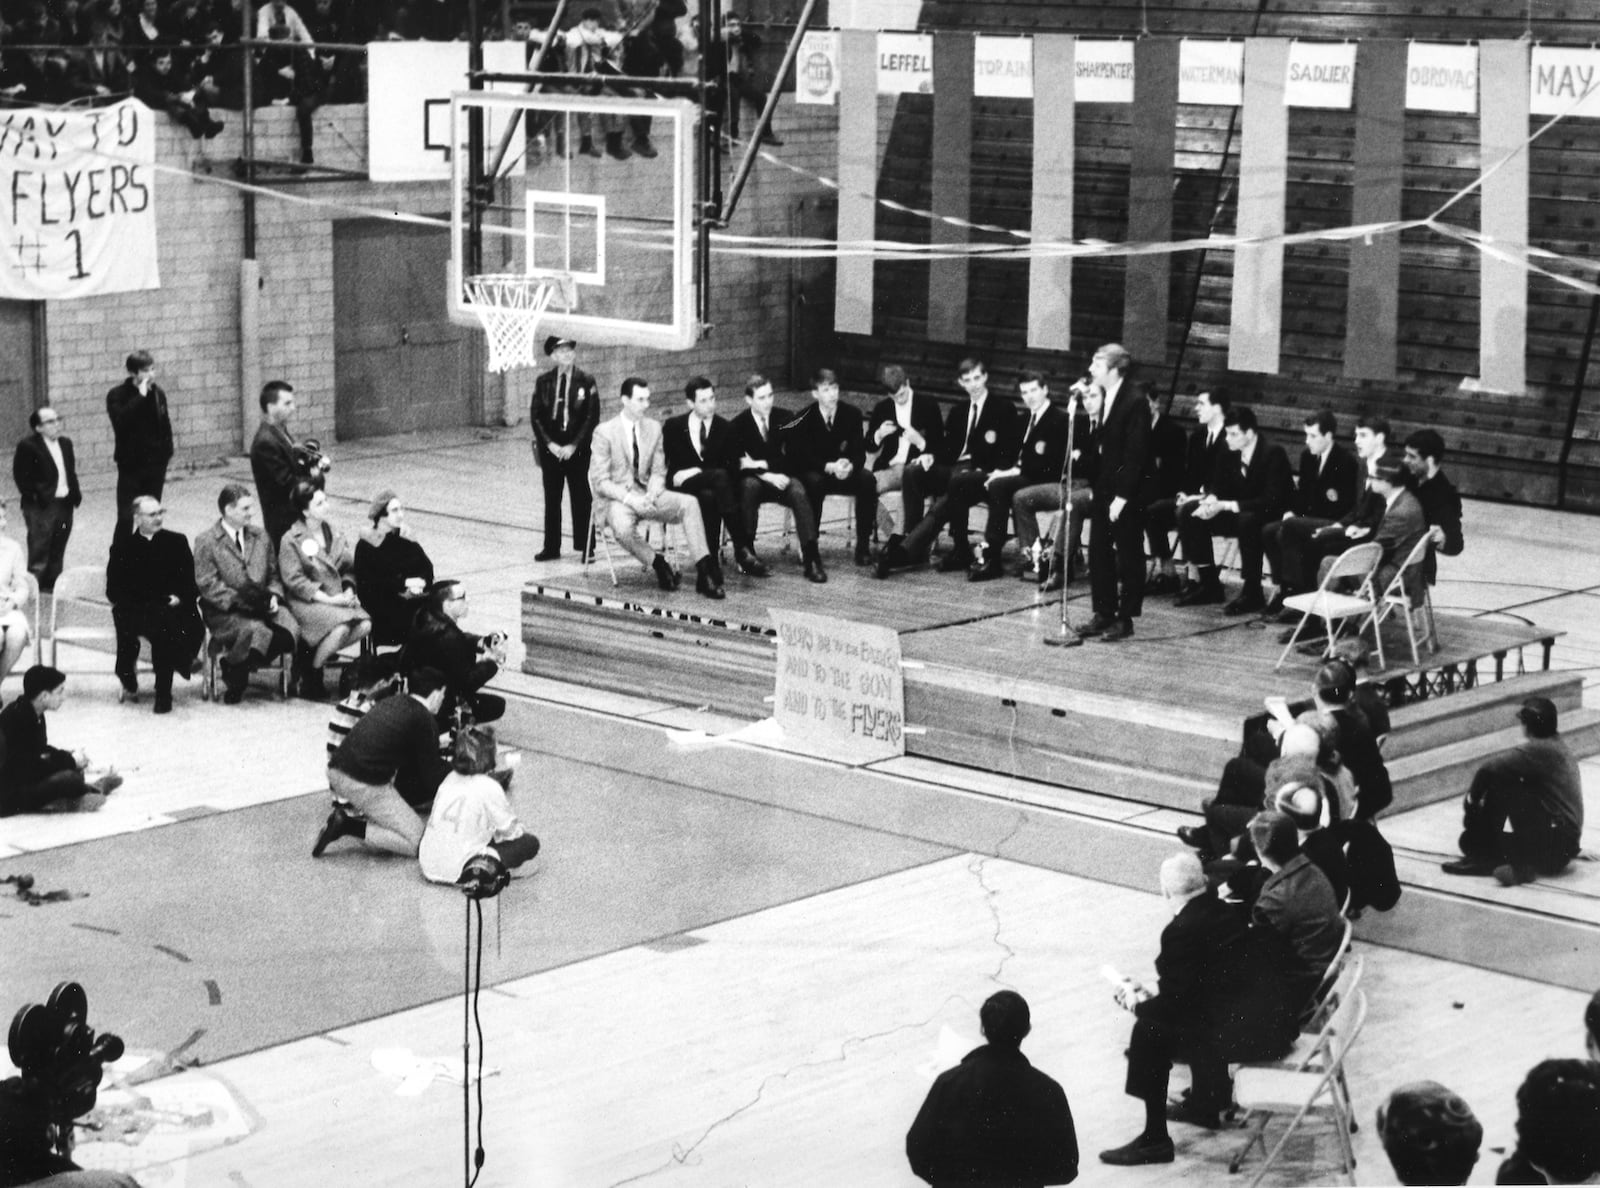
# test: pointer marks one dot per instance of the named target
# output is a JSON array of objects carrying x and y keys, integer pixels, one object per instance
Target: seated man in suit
[
  {"x": 1220, "y": 997},
  {"x": 1303, "y": 544},
  {"x": 700, "y": 462},
  {"x": 241, "y": 598},
  {"x": 1203, "y": 453},
  {"x": 980, "y": 437},
  {"x": 826, "y": 449},
  {"x": 150, "y": 583},
  {"x": 1039, "y": 461},
  {"x": 904, "y": 426},
  {"x": 628, "y": 475},
  {"x": 1441, "y": 502},
  {"x": 1296, "y": 902},
  {"x": 765, "y": 475},
  {"x": 1251, "y": 491},
  {"x": 1330, "y": 480},
  {"x": 1066, "y": 562}
]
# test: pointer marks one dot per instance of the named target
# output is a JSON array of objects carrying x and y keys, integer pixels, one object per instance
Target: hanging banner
[
  {"x": 1565, "y": 81},
  {"x": 1211, "y": 72},
  {"x": 905, "y": 64},
  {"x": 79, "y": 198},
  {"x": 1442, "y": 78},
  {"x": 408, "y": 110},
  {"x": 1321, "y": 74},
  {"x": 1103, "y": 72},
  {"x": 816, "y": 72},
  {"x": 1002, "y": 68}
]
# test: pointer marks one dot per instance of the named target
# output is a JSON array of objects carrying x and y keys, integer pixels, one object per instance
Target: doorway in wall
[{"x": 22, "y": 377}]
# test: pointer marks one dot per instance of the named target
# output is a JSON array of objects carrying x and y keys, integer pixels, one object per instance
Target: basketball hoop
[{"x": 510, "y": 306}]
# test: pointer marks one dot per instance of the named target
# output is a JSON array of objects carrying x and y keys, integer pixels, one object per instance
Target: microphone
[{"x": 1081, "y": 388}]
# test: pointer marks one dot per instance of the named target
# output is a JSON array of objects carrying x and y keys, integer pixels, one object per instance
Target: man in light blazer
[
  {"x": 241, "y": 598},
  {"x": 47, "y": 478},
  {"x": 628, "y": 475}
]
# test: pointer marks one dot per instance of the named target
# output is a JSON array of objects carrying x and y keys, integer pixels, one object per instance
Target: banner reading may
[{"x": 77, "y": 202}]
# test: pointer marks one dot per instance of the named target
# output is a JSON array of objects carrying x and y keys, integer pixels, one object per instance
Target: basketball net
[{"x": 510, "y": 306}]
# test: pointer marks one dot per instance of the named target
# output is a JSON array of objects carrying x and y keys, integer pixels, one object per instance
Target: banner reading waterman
[
  {"x": 79, "y": 200},
  {"x": 839, "y": 687}
]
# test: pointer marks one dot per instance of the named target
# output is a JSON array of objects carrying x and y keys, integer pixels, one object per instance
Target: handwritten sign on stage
[
  {"x": 839, "y": 687},
  {"x": 78, "y": 193}
]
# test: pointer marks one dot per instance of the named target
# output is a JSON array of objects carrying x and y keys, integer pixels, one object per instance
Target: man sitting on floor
[
  {"x": 1536, "y": 789},
  {"x": 34, "y": 776}
]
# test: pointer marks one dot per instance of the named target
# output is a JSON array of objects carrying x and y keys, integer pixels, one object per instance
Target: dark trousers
[
  {"x": 1286, "y": 545},
  {"x": 48, "y": 529},
  {"x": 860, "y": 485},
  {"x": 1000, "y": 493},
  {"x": 713, "y": 490},
  {"x": 174, "y": 633},
  {"x": 1116, "y": 560},
  {"x": 1240, "y": 796},
  {"x": 573, "y": 474},
  {"x": 1153, "y": 1050},
  {"x": 917, "y": 484},
  {"x": 1196, "y": 535},
  {"x": 1498, "y": 796},
  {"x": 753, "y": 492},
  {"x": 1160, "y": 518},
  {"x": 962, "y": 486},
  {"x": 61, "y": 780},
  {"x": 518, "y": 850},
  {"x": 135, "y": 479}
]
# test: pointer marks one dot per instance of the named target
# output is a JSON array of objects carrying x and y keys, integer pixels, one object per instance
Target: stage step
[
  {"x": 1440, "y": 721},
  {"x": 1443, "y": 773}
]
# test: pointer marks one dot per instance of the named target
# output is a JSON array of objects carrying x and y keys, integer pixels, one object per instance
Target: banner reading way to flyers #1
[
  {"x": 839, "y": 689},
  {"x": 80, "y": 202}
]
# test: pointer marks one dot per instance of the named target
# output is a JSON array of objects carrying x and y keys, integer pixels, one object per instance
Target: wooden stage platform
[{"x": 1151, "y": 719}]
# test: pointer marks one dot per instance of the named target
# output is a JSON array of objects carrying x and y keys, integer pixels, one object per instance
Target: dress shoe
[
  {"x": 814, "y": 571},
  {"x": 128, "y": 694},
  {"x": 1096, "y": 626},
  {"x": 1201, "y": 594},
  {"x": 163, "y": 703},
  {"x": 644, "y": 148},
  {"x": 547, "y": 554},
  {"x": 707, "y": 586},
  {"x": 341, "y": 823},
  {"x": 891, "y": 557},
  {"x": 1162, "y": 583},
  {"x": 1140, "y": 1151},
  {"x": 1195, "y": 836},
  {"x": 615, "y": 148},
  {"x": 956, "y": 560},
  {"x": 1053, "y": 583},
  {"x": 1119, "y": 630},
  {"x": 1247, "y": 602},
  {"x": 749, "y": 563},
  {"x": 863, "y": 555},
  {"x": 1510, "y": 876},
  {"x": 667, "y": 577},
  {"x": 1192, "y": 1115},
  {"x": 986, "y": 572},
  {"x": 310, "y": 686},
  {"x": 1274, "y": 606},
  {"x": 1471, "y": 867}
]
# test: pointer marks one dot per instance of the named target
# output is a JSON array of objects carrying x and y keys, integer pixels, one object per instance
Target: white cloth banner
[
  {"x": 1102, "y": 71},
  {"x": 905, "y": 63},
  {"x": 1211, "y": 72},
  {"x": 1002, "y": 67},
  {"x": 408, "y": 109},
  {"x": 816, "y": 74},
  {"x": 1321, "y": 74},
  {"x": 1441, "y": 77},
  {"x": 1565, "y": 81},
  {"x": 80, "y": 202}
]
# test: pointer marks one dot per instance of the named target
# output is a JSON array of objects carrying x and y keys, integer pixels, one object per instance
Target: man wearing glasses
[
  {"x": 150, "y": 584},
  {"x": 47, "y": 479}
]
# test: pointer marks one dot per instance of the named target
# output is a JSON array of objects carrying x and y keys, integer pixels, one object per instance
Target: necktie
[
  {"x": 561, "y": 401},
  {"x": 828, "y": 420},
  {"x": 1094, "y": 426},
  {"x": 761, "y": 425},
  {"x": 972, "y": 419},
  {"x": 704, "y": 433},
  {"x": 637, "y": 477},
  {"x": 238, "y": 540},
  {"x": 1033, "y": 423}
]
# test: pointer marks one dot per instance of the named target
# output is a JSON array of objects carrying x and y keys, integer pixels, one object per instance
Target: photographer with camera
[
  {"x": 279, "y": 462},
  {"x": 468, "y": 661}
]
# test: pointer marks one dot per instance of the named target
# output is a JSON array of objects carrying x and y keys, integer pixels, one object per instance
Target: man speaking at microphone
[{"x": 1121, "y": 494}]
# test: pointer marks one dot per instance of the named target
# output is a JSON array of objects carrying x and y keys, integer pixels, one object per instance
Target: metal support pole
[
  {"x": 1576, "y": 402},
  {"x": 552, "y": 31},
  {"x": 765, "y": 122},
  {"x": 475, "y": 187},
  {"x": 247, "y": 34},
  {"x": 708, "y": 174}
]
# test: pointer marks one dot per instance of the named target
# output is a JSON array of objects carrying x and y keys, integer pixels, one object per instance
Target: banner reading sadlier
[{"x": 77, "y": 202}]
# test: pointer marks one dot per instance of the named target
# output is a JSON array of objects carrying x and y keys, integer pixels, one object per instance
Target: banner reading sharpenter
[{"x": 77, "y": 202}]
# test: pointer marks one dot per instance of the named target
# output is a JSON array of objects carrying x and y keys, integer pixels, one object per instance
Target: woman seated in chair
[
  {"x": 392, "y": 571},
  {"x": 468, "y": 661},
  {"x": 14, "y": 594},
  {"x": 316, "y": 565}
]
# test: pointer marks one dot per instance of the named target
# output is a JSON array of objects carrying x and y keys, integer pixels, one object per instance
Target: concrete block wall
[{"x": 191, "y": 324}]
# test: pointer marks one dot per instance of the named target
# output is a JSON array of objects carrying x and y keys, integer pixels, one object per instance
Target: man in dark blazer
[
  {"x": 1252, "y": 489},
  {"x": 826, "y": 448},
  {"x": 904, "y": 426},
  {"x": 1041, "y": 454},
  {"x": 150, "y": 584},
  {"x": 47, "y": 480},
  {"x": 765, "y": 475},
  {"x": 143, "y": 431},
  {"x": 1221, "y": 997},
  {"x": 1121, "y": 494},
  {"x": 1202, "y": 453},
  {"x": 1330, "y": 481},
  {"x": 980, "y": 437},
  {"x": 1304, "y": 545},
  {"x": 1441, "y": 502},
  {"x": 701, "y": 462},
  {"x": 994, "y": 1118},
  {"x": 565, "y": 410},
  {"x": 276, "y": 463},
  {"x": 1297, "y": 902}
]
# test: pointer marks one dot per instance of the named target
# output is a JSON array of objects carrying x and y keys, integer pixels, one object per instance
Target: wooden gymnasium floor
[{"x": 691, "y": 986}]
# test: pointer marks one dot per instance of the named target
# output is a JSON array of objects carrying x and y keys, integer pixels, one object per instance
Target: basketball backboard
[{"x": 594, "y": 191}]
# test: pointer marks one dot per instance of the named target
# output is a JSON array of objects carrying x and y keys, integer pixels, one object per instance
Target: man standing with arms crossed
[{"x": 143, "y": 430}]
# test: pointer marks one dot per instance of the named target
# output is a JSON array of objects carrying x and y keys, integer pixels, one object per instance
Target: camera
[
  {"x": 309, "y": 459},
  {"x": 61, "y": 1060},
  {"x": 483, "y": 877}
]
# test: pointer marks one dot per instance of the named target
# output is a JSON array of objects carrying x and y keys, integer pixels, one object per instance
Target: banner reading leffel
[{"x": 80, "y": 204}]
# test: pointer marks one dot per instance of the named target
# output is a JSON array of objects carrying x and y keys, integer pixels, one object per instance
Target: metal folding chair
[
  {"x": 1395, "y": 598},
  {"x": 1331, "y": 606}
]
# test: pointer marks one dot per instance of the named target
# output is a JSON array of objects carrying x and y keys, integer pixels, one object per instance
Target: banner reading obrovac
[{"x": 77, "y": 189}]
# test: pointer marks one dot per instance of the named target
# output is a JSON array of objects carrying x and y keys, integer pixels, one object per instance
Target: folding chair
[
  {"x": 35, "y": 639},
  {"x": 1395, "y": 598},
  {"x": 1315, "y": 1090},
  {"x": 211, "y": 659},
  {"x": 79, "y": 611},
  {"x": 1329, "y": 605},
  {"x": 604, "y": 538},
  {"x": 849, "y": 521}
]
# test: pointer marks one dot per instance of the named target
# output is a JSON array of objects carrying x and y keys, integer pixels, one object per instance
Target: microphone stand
[{"x": 1066, "y": 637}]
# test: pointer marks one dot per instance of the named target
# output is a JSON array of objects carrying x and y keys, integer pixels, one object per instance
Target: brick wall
[{"x": 191, "y": 324}]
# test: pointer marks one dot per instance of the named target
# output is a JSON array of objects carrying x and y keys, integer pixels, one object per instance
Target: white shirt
[
  {"x": 468, "y": 813},
  {"x": 902, "y": 418},
  {"x": 54, "y": 448}
]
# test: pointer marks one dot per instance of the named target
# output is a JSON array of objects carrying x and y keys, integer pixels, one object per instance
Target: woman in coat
[{"x": 317, "y": 566}]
